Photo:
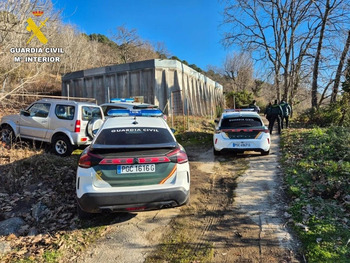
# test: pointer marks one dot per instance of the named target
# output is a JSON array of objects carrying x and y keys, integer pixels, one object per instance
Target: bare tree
[
  {"x": 269, "y": 28},
  {"x": 162, "y": 50},
  {"x": 332, "y": 16},
  {"x": 340, "y": 69},
  {"x": 239, "y": 69},
  {"x": 128, "y": 41},
  {"x": 324, "y": 18}
]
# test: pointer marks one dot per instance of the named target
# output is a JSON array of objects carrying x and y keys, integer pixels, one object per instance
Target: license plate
[
  {"x": 136, "y": 168},
  {"x": 241, "y": 145}
]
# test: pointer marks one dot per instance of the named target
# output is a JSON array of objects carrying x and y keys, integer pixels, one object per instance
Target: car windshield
[
  {"x": 239, "y": 122},
  {"x": 134, "y": 136}
]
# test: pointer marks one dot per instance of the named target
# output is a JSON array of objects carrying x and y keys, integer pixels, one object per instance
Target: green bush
[
  {"x": 335, "y": 114},
  {"x": 238, "y": 99}
]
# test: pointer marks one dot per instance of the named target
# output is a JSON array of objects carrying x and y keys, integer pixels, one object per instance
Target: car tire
[
  {"x": 82, "y": 214},
  {"x": 216, "y": 153},
  {"x": 265, "y": 152},
  {"x": 61, "y": 146},
  {"x": 7, "y": 135}
]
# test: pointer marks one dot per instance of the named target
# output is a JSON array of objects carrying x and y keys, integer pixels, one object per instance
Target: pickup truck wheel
[
  {"x": 62, "y": 146},
  {"x": 7, "y": 135}
]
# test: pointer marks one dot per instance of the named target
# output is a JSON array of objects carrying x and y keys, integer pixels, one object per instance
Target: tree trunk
[
  {"x": 340, "y": 69},
  {"x": 317, "y": 57}
]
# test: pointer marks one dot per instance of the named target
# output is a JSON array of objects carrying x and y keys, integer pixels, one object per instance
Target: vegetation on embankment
[{"x": 316, "y": 165}]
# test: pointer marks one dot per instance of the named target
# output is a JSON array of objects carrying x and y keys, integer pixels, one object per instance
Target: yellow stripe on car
[{"x": 170, "y": 175}]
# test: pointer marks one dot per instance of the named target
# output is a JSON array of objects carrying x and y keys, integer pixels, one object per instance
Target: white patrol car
[
  {"x": 134, "y": 163},
  {"x": 239, "y": 131}
]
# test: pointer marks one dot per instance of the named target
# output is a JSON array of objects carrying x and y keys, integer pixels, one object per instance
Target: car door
[{"x": 34, "y": 122}]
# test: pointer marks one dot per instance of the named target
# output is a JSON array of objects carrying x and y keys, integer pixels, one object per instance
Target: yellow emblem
[{"x": 36, "y": 30}]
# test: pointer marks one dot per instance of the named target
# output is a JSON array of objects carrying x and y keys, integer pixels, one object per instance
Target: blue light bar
[
  {"x": 122, "y": 100},
  {"x": 144, "y": 112},
  {"x": 151, "y": 112},
  {"x": 118, "y": 113}
]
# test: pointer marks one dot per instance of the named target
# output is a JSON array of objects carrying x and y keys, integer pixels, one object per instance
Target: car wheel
[
  {"x": 265, "y": 152},
  {"x": 7, "y": 135},
  {"x": 216, "y": 152},
  {"x": 61, "y": 146},
  {"x": 82, "y": 214}
]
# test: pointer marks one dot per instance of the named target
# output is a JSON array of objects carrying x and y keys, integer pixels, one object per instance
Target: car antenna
[{"x": 135, "y": 122}]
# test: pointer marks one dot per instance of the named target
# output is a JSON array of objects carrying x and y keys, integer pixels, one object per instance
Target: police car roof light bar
[
  {"x": 122, "y": 100},
  {"x": 144, "y": 112}
]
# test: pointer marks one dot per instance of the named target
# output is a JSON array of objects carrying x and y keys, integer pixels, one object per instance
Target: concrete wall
[{"x": 173, "y": 86}]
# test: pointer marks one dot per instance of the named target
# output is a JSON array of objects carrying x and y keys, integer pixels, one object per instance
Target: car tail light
[
  {"x": 77, "y": 126},
  {"x": 216, "y": 140},
  {"x": 162, "y": 159},
  {"x": 118, "y": 161},
  {"x": 178, "y": 156},
  {"x": 88, "y": 159}
]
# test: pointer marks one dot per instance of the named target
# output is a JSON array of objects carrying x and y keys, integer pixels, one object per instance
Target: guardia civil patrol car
[
  {"x": 241, "y": 130},
  {"x": 134, "y": 163}
]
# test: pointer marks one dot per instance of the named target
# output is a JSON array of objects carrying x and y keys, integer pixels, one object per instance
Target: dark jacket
[
  {"x": 276, "y": 110},
  {"x": 286, "y": 109}
]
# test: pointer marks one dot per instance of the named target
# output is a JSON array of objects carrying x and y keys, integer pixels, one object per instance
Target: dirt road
[{"x": 240, "y": 214}]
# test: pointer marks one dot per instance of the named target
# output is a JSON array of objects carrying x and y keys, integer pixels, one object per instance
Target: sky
[{"x": 190, "y": 29}]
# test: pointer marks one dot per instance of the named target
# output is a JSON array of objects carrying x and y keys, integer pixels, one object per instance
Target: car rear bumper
[
  {"x": 257, "y": 145},
  {"x": 133, "y": 201},
  {"x": 241, "y": 150}
]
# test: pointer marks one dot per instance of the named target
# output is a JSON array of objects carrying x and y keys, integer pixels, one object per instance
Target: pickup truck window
[
  {"x": 39, "y": 110},
  {"x": 65, "y": 112}
]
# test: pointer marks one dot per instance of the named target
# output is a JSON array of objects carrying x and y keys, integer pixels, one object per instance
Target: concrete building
[{"x": 173, "y": 86}]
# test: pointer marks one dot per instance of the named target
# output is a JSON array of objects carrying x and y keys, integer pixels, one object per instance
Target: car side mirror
[
  {"x": 216, "y": 121},
  {"x": 24, "y": 113},
  {"x": 172, "y": 130}
]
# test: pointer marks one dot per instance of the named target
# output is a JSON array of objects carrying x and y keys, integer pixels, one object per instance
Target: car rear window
[
  {"x": 90, "y": 112},
  {"x": 240, "y": 122},
  {"x": 134, "y": 136}
]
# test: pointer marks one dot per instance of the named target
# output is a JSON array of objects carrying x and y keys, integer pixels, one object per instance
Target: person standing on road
[
  {"x": 254, "y": 106},
  {"x": 267, "y": 112},
  {"x": 276, "y": 114},
  {"x": 287, "y": 110}
]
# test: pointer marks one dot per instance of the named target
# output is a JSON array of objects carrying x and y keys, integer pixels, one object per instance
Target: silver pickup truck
[{"x": 65, "y": 124}]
